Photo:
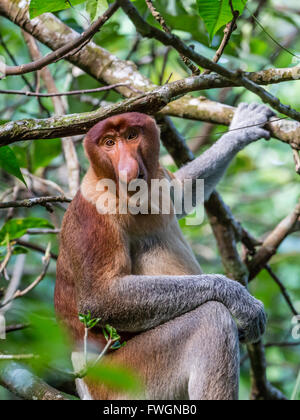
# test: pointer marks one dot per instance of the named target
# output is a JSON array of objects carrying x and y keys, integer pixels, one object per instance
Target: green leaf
[
  {"x": 17, "y": 250},
  {"x": 217, "y": 13},
  {"x": 111, "y": 333},
  {"x": 88, "y": 321},
  {"x": 9, "y": 163},
  {"x": 105, "y": 333},
  {"x": 116, "y": 377},
  {"x": 15, "y": 228},
  {"x": 96, "y": 8},
  {"x": 38, "y": 7},
  {"x": 43, "y": 152}
]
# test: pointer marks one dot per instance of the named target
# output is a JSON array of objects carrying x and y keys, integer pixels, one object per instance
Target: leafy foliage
[
  {"x": 217, "y": 13},
  {"x": 9, "y": 163},
  {"x": 38, "y": 7},
  {"x": 16, "y": 228},
  {"x": 261, "y": 185},
  {"x": 96, "y": 8}
]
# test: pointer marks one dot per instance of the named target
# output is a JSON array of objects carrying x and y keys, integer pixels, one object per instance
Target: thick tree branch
[
  {"x": 30, "y": 202},
  {"x": 19, "y": 380},
  {"x": 160, "y": 19},
  {"x": 105, "y": 67},
  {"x": 150, "y": 103},
  {"x": 149, "y": 31},
  {"x": 228, "y": 31},
  {"x": 283, "y": 290}
]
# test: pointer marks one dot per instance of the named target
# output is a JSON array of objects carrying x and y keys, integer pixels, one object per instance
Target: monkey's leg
[
  {"x": 214, "y": 373},
  {"x": 195, "y": 356}
]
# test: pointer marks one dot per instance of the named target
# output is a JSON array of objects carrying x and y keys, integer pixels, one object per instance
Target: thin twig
[
  {"x": 21, "y": 293},
  {"x": 63, "y": 51},
  {"x": 43, "y": 231},
  {"x": 272, "y": 242},
  {"x": 16, "y": 327},
  {"x": 104, "y": 351},
  {"x": 31, "y": 202},
  {"x": 228, "y": 31},
  {"x": 238, "y": 76},
  {"x": 60, "y": 108},
  {"x": 44, "y": 182},
  {"x": 282, "y": 289},
  {"x": 8, "y": 255},
  {"x": 282, "y": 344},
  {"x": 17, "y": 356},
  {"x": 35, "y": 247},
  {"x": 74, "y": 92},
  {"x": 160, "y": 19}
]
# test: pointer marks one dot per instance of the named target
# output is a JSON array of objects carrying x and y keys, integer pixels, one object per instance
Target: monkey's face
[{"x": 124, "y": 148}]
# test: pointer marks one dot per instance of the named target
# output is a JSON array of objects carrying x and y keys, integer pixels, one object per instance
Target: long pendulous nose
[{"x": 128, "y": 167}]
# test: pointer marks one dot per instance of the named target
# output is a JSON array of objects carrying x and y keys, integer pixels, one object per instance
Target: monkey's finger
[
  {"x": 267, "y": 111},
  {"x": 253, "y": 107},
  {"x": 263, "y": 134},
  {"x": 242, "y": 106}
]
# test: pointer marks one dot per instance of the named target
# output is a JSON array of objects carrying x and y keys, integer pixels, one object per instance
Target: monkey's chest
[{"x": 163, "y": 253}]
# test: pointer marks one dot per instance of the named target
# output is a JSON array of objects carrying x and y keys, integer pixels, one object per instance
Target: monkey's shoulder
[{"x": 87, "y": 231}]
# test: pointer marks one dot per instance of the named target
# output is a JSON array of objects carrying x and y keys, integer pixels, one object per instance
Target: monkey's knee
[
  {"x": 214, "y": 355},
  {"x": 215, "y": 321}
]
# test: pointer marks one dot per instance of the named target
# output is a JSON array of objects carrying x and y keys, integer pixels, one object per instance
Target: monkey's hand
[
  {"x": 248, "y": 123},
  {"x": 248, "y": 311}
]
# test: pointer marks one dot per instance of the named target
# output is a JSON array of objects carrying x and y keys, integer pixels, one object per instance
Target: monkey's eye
[
  {"x": 109, "y": 142},
  {"x": 132, "y": 134}
]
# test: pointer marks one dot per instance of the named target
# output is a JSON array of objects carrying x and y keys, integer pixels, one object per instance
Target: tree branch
[
  {"x": 160, "y": 19},
  {"x": 228, "y": 31},
  {"x": 63, "y": 51},
  {"x": 70, "y": 93},
  {"x": 150, "y": 103},
  {"x": 272, "y": 242},
  {"x": 19, "y": 380},
  {"x": 30, "y": 202},
  {"x": 105, "y": 67},
  {"x": 149, "y": 31}
]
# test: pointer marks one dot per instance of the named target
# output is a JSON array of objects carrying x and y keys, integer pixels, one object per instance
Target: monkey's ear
[{"x": 84, "y": 143}]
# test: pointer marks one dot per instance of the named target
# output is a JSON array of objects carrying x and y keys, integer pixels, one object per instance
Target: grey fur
[
  {"x": 212, "y": 165},
  {"x": 139, "y": 303},
  {"x": 188, "y": 342}
]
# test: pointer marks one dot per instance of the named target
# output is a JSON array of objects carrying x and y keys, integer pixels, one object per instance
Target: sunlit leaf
[
  {"x": 38, "y": 7},
  {"x": 96, "y": 8},
  {"x": 15, "y": 228},
  {"x": 217, "y": 13}
]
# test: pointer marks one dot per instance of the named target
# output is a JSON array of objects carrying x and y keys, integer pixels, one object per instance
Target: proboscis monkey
[{"x": 139, "y": 275}]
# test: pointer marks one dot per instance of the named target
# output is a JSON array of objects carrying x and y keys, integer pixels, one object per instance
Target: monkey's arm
[
  {"x": 246, "y": 127},
  {"x": 139, "y": 303}
]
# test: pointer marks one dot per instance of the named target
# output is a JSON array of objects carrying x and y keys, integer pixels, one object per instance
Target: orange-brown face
[{"x": 123, "y": 147}]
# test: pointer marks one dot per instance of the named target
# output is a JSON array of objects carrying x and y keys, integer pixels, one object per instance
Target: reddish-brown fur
[{"x": 93, "y": 249}]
